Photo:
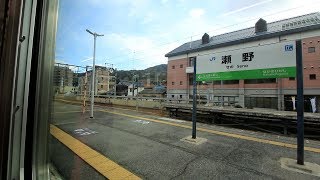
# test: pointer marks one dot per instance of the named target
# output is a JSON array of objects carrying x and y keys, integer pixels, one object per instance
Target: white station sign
[{"x": 266, "y": 61}]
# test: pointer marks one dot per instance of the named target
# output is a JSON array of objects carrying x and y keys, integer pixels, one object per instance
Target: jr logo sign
[
  {"x": 288, "y": 47},
  {"x": 212, "y": 59}
]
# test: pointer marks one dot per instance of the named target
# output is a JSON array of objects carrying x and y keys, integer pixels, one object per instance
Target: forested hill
[{"x": 153, "y": 72}]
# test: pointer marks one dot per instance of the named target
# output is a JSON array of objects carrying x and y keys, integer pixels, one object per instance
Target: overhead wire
[
  {"x": 195, "y": 35},
  {"x": 217, "y": 29}
]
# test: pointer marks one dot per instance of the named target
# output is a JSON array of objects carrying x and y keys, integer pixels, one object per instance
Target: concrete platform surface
[
  {"x": 306, "y": 168},
  {"x": 195, "y": 141},
  {"x": 150, "y": 147}
]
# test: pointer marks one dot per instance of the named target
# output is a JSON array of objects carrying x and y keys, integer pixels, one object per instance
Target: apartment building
[
  {"x": 275, "y": 93},
  {"x": 63, "y": 79},
  {"x": 104, "y": 81}
]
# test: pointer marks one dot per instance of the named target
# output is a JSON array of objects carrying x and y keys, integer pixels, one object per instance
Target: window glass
[
  {"x": 312, "y": 76},
  {"x": 118, "y": 114},
  {"x": 191, "y": 80},
  {"x": 230, "y": 82},
  {"x": 311, "y": 49},
  {"x": 191, "y": 59}
]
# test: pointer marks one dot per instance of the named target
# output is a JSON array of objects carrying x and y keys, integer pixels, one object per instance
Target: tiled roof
[{"x": 282, "y": 27}]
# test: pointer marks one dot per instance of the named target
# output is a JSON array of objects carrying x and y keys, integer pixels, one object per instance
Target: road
[{"x": 149, "y": 146}]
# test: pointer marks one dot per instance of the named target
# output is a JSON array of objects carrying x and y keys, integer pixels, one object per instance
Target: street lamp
[{"x": 93, "y": 69}]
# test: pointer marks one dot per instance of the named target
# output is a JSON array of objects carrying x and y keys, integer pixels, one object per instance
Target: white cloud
[
  {"x": 60, "y": 61},
  {"x": 98, "y": 2},
  {"x": 148, "y": 18},
  {"x": 87, "y": 59},
  {"x": 196, "y": 13},
  {"x": 280, "y": 11},
  {"x": 137, "y": 7},
  {"x": 246, "y": 7},
  {"x": 164, "y": 1},
  {"x": 74, "y": 68},
  {"x": 298, "y": 8},
  {"x": 139, "y": 52},
  {"x": 130, "y": 42},
  {"x": 154, "y": 55},
  {"x": 189, "y": 27},
  {"x": 149, "y": 51}
]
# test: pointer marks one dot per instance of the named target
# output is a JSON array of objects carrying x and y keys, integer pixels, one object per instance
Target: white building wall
[{"x": 136, "y": 90}]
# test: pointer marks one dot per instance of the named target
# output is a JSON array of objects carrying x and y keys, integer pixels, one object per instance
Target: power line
[
  {"x": 147, "y": 55},
  {"x": 194, "y": 35},
  {"x": 213, "y": 30}
]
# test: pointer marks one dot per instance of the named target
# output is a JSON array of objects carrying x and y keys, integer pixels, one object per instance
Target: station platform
[
  {"x": 254, "y": 112},
  {"x": 151, "y": 147},
  {"x": 286, "y": 120}
]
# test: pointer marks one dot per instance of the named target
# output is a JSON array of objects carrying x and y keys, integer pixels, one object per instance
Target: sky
[{"x": 138, "y": 33}]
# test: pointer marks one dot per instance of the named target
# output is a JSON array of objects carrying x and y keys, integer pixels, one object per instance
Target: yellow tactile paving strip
[
  {"x": 265, "y": 141},
  {"x": 65, "y": 112},
  {"x": 68, "y": 101},
  {"x": 102, "y": 164}
]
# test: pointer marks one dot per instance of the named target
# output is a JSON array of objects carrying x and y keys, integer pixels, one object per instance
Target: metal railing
[{"x": 204, "y": 102}]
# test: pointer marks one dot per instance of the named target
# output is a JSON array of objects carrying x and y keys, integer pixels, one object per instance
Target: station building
[{"x": 274, "y": 93}]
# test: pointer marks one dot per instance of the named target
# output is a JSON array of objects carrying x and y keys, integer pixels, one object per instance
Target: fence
[{"x": 146, "y": 102}]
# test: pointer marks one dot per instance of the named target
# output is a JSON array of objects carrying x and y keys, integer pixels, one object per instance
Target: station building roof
[{"x": 282, "y": 27}]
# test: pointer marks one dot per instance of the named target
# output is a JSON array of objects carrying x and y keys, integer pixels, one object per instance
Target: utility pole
[
  {"x": 148, "y": 79},
  {"x": 133, "y": 86},
  {"x": 156, "y": 78},
  {"x": 95, "y": 35},
  {"x": 115, "y": 85}
]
